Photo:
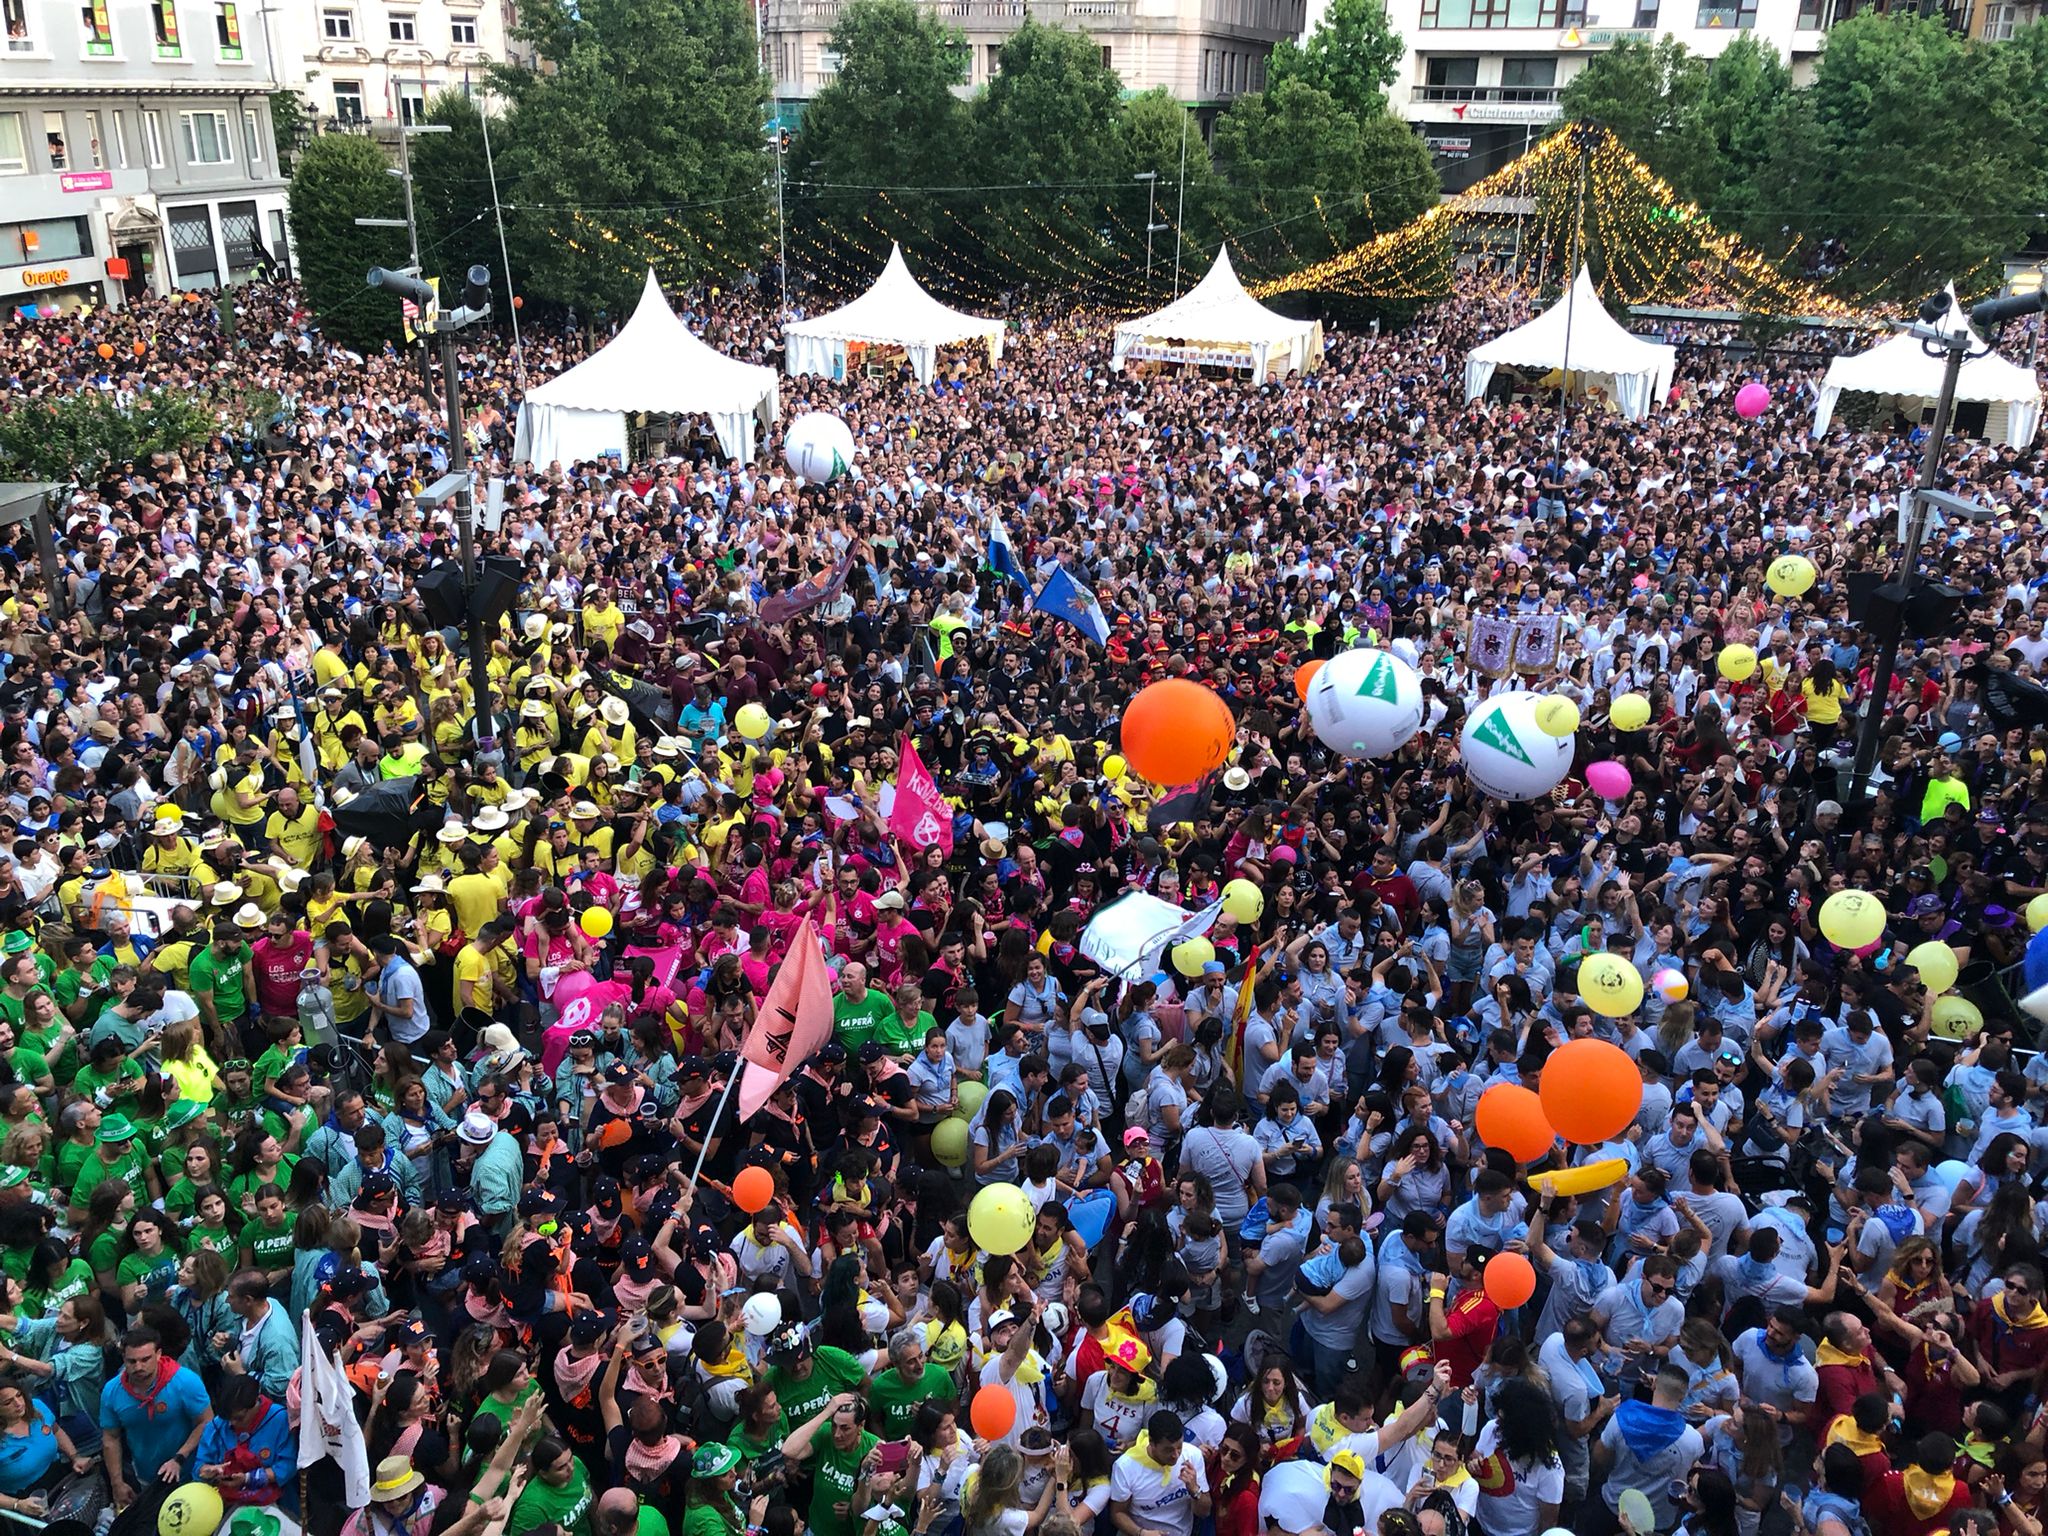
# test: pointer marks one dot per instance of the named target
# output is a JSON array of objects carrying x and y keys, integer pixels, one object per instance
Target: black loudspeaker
[
  {"x": 1932, "y": 610},
  {"x": 440, "y": 589},
  {"x": 496, "y": 591},
  {"x": 1863, "y": 587}
]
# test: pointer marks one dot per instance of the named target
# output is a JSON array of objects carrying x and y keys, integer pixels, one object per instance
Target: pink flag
[
  {"x": 794, "y": 1022},
  {"x": 920, "y": 815}
]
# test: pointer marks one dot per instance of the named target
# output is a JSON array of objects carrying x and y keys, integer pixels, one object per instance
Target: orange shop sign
[{"x": 46, "y": 277}]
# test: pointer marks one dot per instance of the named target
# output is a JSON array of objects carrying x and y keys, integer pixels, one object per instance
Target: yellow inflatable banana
[{"x": 1583, "y": 1179}]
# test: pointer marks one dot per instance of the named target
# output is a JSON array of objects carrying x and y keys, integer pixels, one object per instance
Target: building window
[
  {"x": 995, "y": 60},
  {"x": 338, "y": 26},
  {"x": 95, "y": 152},
  {"x": 227, "y": 30},
  {"x": 1646, "y": 15},
  {"x": 99, "y": 29},
  {"x": 348, "y": 100},
  {"x": 164, "y": 14},
  {"x": 1717, "y": 15},
  {"x": 119, "y": 142},
  {"x": 277, "y": 240},
  {"x": 153, "y": 139},
  {"x": 53, "y": 136},
  {"x": 2000, "y": 19},
  {"x": 48, "y": 239},
  {"x": 1453, "y": 72},
  {"x": 240, "y": 233},
  {"x": 1535, "y": 76},
  {"x": 253, "y": 137},
  {"x": 19, "y": 37},
  {"x": 206, "y": 138},
  {"x": 412, "y": 102},
  {"x": 192, "y": 257},
  {"x": 13, "y": 145},
  {"x": 404, "y": 27},
  {"x": 1487, "y": 15},
  {"x": 462, "y": 31}
]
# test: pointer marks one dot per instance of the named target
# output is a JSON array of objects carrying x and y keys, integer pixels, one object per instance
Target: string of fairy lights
[{"x": 1088, "y": 245}]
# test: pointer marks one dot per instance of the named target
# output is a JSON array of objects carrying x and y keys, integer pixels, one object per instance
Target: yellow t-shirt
[
  {"x": 194, "y": 1075},
  {"x": 1823, "y": 708},
  {"x": 296, "y": 837},
  {"x": 474, "y": 966},
  {"x": 229, "y": 808},
  {"x": 476, "y": 899}
]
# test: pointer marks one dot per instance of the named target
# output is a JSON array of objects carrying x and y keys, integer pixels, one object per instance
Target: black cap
[
  {"x": 378, "y": 1182},
  {"x": 347, "y": 1282},
  {"x": 872, "y": 1052},
  {"x": 832, "y": 1053},
  {"x": 453, "y": 1200},
  {"x": 618, "y": 1072},
  {"x": 587, "y": 1328},
  {"x": 726, "y": 1062},
  {"x": 605, "y": 1194},
  {"x": 691, "y": 1066}
]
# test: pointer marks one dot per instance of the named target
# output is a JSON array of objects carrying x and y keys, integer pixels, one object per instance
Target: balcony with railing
[{"x": 1503, "y": 95}]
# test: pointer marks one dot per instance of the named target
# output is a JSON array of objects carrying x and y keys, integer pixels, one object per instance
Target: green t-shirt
[
  {"x": 96, "y": 1169},
  {"x": 270, "y": 1247},
  {"x": 544, "y": 1504},
  {"x": 901, "y": 1039},
  {"x": 157, "y": 1272},
  {"x": 226, "y": 977},
  {"x": 895, "y": 1401},
  {"x": 75, "y": 1281},
  {"x": 833, "y": 1371},
  {"x": 650, "y": 1521},
  {"x": 837, "y": 1473},
  {"x": 243, "y": 1186},
  {"x": 752, "y": 1450},
  {"x": 29, "y": 1066},
  {"x": 270, "y": 1066},
  {"x": 216, "y": 1239},
  {"x": 71, "y": 1158},
  {"x": 705, "y": 1520},
  {"x": 855, "y": 1021}
]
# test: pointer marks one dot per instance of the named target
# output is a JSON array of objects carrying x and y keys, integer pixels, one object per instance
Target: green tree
[
  {"x": 452, "y": 197},
  {"x": 289, "y": 118},
  {"x": 1045, "y": 140},
  {"x": 1743, "y": 111},
  {"x": 1919, "y": 150},
  {"x": 641, "y": 139},
  {"x": 342, "y": 177},
  {"x": 62, "y": 437},
  {"x": 1354, "y": 54},
  {"x": 1300, "y": 179},
  {"x": 888, "y": 119},
  {"x": 1649, "y": 96}
]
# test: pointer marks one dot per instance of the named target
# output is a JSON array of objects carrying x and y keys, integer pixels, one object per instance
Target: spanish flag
[{"x": 1233, "y": 1048}]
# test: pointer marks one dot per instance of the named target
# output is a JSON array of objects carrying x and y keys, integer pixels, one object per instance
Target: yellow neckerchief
[
  {"x": 1828, "y": 1354},
  {"x": 1844, "y": 1431},
  {"x": 734, "y": 1364},
  {"x": 1032, "y": 1371},
  {"x": 1051, "y": 1251},
  {"x": 1928, "y": 1493},
  {"x": 962, "y": 1259},
  {"x": 1142, "y": 1449},
  {"x": 2036, "y": 1318},
  {"x": 1148, "y": 1391},
  {"x": 1454, "y": 1478}
]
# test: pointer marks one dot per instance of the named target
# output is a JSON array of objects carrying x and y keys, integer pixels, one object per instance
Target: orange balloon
[
  {"x": 1591, "y": 1091},
  {"x": 753, "y": 1189},
  {"x": 1510, "y": 1117},
  {"x": 141, "y": 347},
  {"x": 1304, "y": 675},
  {"x": 992, "y": 1412},
  {"x": 105, "y": 350},
  {"x": 1510, "y": 1280},
  {"x": 1175, "y": 732}
]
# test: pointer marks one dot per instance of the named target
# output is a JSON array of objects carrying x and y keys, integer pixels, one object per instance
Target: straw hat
[
  {"x": 614, "y": 710},
  {"x": 248, "y": 915},
  {"x": 451, "y": 833},
  {"x": 490, "y": 819}
]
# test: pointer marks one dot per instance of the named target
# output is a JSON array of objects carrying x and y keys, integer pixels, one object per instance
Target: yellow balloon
[
  {"x": 1610, "y": 985},
  {"x": 1737, "y": 662},
  {"x": 1954, "y": 1017},
  {"x": 970, "y": 1094},
  {"x": 753, "y": 722},
  {"x": 1243, "y": 901},
  {"x": 949, "y": 1143},
  {"x": 2037, "y": 913},
  {"x": 1791, "y": 575},
  {"x": 1114, "y": 768},
  {"x": 595, "y": 922},
  {"x": 194, "y": 1510},
  {"x": 1001, "y": 1218},
  {"x": 1630, "y": 712},
  {"x": 1557, "y": 716},
  {"x": 1852, "y": 919},
  {"x": 1190, "y": 955},
  {"x": 1936, "y": 963}
]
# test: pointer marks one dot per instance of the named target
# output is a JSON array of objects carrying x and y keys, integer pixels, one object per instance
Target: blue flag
[
  {"x": 1065, "y": 598},
  {"x": 1002, "y": 554}
]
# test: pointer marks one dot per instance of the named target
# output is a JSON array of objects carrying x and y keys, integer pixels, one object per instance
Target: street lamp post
[
  {"x": 1947, "y": 331},
  {"x": 1152, "y": 226}
]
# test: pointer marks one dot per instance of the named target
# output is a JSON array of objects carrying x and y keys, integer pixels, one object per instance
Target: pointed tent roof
[
  {"x": 1897, "y": 366},
  {"x": 1217, "y": 309},
  {"x": 896, "y": 311},
  {"x": 657, "y": 363},
  {"x": 1579, "y": 329}
]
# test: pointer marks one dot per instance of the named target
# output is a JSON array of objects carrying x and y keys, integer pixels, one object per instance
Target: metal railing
[{"x": 1531, "y": 95}]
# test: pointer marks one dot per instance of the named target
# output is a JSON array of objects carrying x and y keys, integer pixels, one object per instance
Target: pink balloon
[
  {"x": 1752, "y": 400},
  {"x": 1609, "y": 780}
]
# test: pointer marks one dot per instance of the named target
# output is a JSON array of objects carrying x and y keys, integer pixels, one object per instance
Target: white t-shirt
[
  {"x": 1158, "y": 1500},
  {"x": 1117, "y": 1421},
  {"x": 1522, "y": 1488}
]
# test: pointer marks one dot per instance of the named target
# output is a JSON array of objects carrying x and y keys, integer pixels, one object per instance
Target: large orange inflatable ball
[
  {"x": 992, "y": 1412},
  {"x": 1304, "y": 675},
  {"x": 1511, "y": 1117},
  {"x": 1176, "y": 732},
  {"x": 752, "y": 1189},
  {"x": 1510, "y": 1280},
  {"x": 1591, "y": 1091}
]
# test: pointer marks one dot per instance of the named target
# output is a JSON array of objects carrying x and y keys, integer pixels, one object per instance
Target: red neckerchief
[{"x": 166, "y": 1367}]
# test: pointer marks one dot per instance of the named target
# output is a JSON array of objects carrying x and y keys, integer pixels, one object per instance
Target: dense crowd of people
[{"x": 447, "y": 1097}]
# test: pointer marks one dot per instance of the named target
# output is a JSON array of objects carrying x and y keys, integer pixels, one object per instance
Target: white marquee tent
[
  {"x": 1899, "y": 371},
  {"x": 1218, "y": 324},
  {"x": 655, "y": 363},
  {"x": 895, "y": 312},
  {"x": 1577, "y": 332}
]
